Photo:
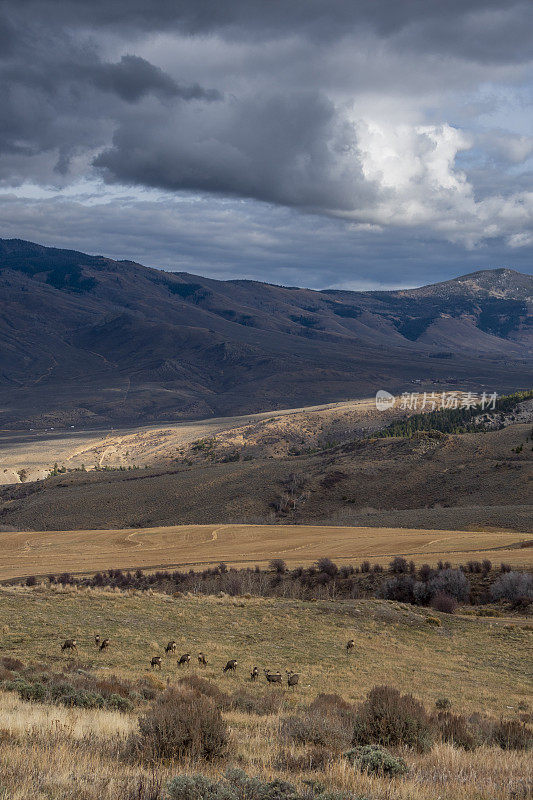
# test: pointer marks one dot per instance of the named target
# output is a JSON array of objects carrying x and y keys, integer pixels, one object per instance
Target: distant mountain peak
[{"x": 502, "y": 282}]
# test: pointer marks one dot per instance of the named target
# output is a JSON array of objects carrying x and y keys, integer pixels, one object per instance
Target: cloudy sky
[{"x": 354, "y": 143}]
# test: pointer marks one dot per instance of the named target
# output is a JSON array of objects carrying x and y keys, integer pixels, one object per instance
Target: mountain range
[{"x": 89, "y": 341}]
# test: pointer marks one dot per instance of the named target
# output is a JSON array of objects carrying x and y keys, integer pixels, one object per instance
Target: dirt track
[{"x": 41, "y": 553}]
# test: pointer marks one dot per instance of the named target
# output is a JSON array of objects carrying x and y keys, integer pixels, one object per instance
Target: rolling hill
[{"x": 88, "y": 341}]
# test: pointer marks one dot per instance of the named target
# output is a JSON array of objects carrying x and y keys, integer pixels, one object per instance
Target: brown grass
[
  {"x": 49, "y": 760},
  {"x": 41, "y": 553},
  {"x": 73, "y": 754}
]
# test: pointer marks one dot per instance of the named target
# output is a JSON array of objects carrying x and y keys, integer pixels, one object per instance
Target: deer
[
  {"x": 104, "y": 644},
  {"x": 156, "y": 662},
  {"x": 293, "y": 678},
  {"x": 184, "y": 660},
  {"x": 254, "y": 674},
  {"x": 272, "y": 677},
  {"x": 202, "y": 660},
  {"x": 70, "y": 644},
  {"x": 350, "y": 645},
  {"x": 171, "y": 647},
  {"x": 231, "y": 666}
]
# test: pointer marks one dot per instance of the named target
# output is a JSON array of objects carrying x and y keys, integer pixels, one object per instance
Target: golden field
[
  {"x": 188, "y": 546},
  {"x": 55, "y": 752}
]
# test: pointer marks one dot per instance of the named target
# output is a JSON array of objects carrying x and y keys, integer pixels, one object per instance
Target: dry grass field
[
  {"x": 45, "y": 552},
  {"x": 55, "y": 752}
]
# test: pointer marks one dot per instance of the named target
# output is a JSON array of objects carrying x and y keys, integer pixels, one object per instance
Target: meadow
[{"x": 480, "y": 665}]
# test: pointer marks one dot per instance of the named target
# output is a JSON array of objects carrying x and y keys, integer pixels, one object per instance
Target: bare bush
[
  {"x": 456, "y": 730},
  {"x": 182, "y": 723},
  {"x": 328, "y": 722},
  {"x": 444, "y": 603},
  {"x": 512, "y": 586},
  {"x": 512, "y": 735},
  {"x": 452, "y": 582},
  {"x": 390, "y": 719}
]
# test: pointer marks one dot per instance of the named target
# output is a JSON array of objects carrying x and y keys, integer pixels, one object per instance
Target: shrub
[
  {"x": 512, "y": 586},
  {"x": 250, "y": 701},
  {"x": 206, "y": 688},
  {"x": 421, "y": 593},
  {"x": 83, "y": 699},
  {"x": 118, "y": 703},
  {"x": 512, "y": 735},
  {"x": 255, "y": 789},
  {"x": 444, "y": 603},
  {"x": 399, "y": 565},
  {"x": 376, "y": 760},
  {"x": 328, "y": 722},
  {"x": 327, "y": 566},
  {"x": 194, "y": 787},
  {"x": 452, "y": 582},
  {"x": 236, "y": 785},
  {"x": 389, "y": 718},
  {"x": 307, "y": 728},
  {"x": 443, "y": 704},
  {"x": 182, "y": 723},
  {"x": 455, "y": 729},
  {"x": 35, "y": 692},
  {"x": 433, "y": 621},
  {"x": 425, "y": 573},
  {"x": 399, "y": 588}
]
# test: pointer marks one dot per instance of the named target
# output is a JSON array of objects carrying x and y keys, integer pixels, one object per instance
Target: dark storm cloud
[
  {"x": 65, "y": 100},
  {"x": 133, "y": 77},
  {"x": 339, "y": 108},
  {"x": 281, "y": 149},
  {"x": 452, "y": 24}
]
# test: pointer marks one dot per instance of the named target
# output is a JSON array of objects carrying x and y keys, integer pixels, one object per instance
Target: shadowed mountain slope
[{"x": 89, "y": 341}]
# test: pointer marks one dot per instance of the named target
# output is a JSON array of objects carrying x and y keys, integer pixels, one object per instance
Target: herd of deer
[{"x": 293, "y": 678}]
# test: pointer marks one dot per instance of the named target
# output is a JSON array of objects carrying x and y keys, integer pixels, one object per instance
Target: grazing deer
[
  {"x": 70, "y": 644},
  {"x": 156, "y": 662},
  {"x": 171, "y": 647},
  {"x": 293, "y": 678},
  {"x": 231, "y": 666},
  {"x": 105, "y": 644},
  {"x": 272, "y": 677},
  {"x": 202, "y": 660},
  {"x": 350, "y": 645},
  {"x": 254, "y": 674},
  {"x": 97, "y": 639},
  {"x": 184, "y": 660}
]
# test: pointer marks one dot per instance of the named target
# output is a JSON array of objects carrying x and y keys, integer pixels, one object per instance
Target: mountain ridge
[{"x": 88, "y": 340}]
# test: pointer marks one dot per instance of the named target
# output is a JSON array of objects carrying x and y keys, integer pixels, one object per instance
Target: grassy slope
[
  {"x": 49, "y": 753},
  {"x": 477, "y": 664},
  {"x": 471, "y": 481}
]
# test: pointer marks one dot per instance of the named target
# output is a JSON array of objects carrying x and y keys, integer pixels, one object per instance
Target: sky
[{"x": 323, "y": 143}]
